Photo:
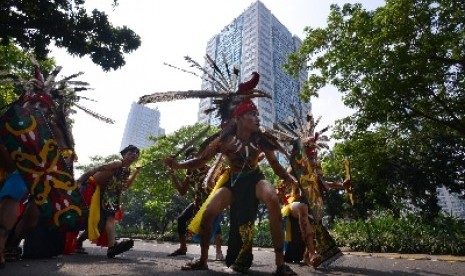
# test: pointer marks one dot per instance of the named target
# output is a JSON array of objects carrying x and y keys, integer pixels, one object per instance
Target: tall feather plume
[
  {"x": 310, "y": 124},
  {"x": 177, "y": 95},
  {"x": 223, "y": 93},
  {"x": 303, "y": 132},
  {"x": 226, "y": 65},
  {"x": 62, "y": 92},
  {"x": 218, "y": 71},
  {"x": 94, "y": 114},
  {"x": 215, "y": 82},
  {"x": 297, "y": 116},
  {"x": 183, "y": 70}
]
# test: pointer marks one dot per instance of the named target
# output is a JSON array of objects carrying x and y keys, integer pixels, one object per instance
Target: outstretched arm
[
  {"x": 132, "y": 177},
  {"x": 278, "y": 169},
  {"x": 195, "y": 162},
  {"x": 105, "y": 167},
  {"x": 336, "y": 185}
]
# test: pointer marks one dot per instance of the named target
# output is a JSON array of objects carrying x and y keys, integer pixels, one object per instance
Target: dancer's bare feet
[{"x": 311, "y": 258}]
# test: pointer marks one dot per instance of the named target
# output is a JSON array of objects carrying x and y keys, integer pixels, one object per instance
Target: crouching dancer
[
  {"x": 242, "y": 186},
  {"x": 102, "y": 189}
]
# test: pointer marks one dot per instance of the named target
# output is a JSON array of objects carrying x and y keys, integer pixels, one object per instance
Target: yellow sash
[
  {"x": 94, "y": 215},
  {"x": 194, "y": 226}
]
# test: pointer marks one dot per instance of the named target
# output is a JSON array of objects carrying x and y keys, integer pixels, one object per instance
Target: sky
[{"x": 170, "y": 30}]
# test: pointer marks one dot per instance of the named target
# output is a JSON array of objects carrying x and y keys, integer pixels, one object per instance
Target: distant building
[
  {"x": 257, "y": 41},
  {"x": 142, "y": 123},
  {"x": 451, "y": 203}
]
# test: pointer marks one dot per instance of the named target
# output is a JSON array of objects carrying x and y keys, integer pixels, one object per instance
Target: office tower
[
  {"x": 142, "y": 123},
  {"x": 257, "y": 41},
  {"x": 451, "y": 203}
]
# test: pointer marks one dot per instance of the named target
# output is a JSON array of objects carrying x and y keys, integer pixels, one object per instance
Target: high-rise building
[
  {"x": 142, "y": 123},
  {"x": 451, "y": 203},
  {"x": 257, "y": 41}
]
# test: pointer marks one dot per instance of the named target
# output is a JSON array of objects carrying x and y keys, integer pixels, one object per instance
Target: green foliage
[
  {"x": 406, "y": 234},
  {"x": 262, "y": 234},
  {"x": 16, "y": 62},
  {"x": 96, "y": 161},
  {"x": 33, "y": 25},
  {"x": 402, "y": 63},
  {"x": 391, "y": 168},
  {"x": 400, "y": 67}
]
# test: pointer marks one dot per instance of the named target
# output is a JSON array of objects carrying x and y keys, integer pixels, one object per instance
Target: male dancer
[
  {"x": 102, "y": 189},
  {"x": 194, "y": 178},
  {"x": 242, "y": 186}
]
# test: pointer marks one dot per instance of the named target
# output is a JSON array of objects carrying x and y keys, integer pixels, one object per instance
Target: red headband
[
  {"x": 39, "y": 97},
  {"x": 244, "y": 107}
]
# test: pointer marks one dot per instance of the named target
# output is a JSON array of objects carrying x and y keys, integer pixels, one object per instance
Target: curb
[{"x": 415, "y": 257}]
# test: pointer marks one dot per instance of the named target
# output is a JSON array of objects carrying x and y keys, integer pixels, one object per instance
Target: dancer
[
  {"x": 299, "y": 233},
  {"x": 194, "y": 179},
  {"x": 242, "y": 186},
  {"x": 37, "y": 145},
  {"x": 102, "y": 188},
  {"x": 240, "y": 141},
  {"x": 13, "y": 191},
  {"x": 308, "y": 194}
]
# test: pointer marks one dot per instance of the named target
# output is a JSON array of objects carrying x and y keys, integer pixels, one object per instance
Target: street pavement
[{"x": 150, "y": 258}]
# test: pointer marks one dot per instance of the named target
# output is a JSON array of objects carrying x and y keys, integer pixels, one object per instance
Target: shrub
[{"x": 406, "y": 234}]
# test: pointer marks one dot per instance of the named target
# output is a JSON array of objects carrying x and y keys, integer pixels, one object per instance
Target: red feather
[{"x": 246, "y": 87}]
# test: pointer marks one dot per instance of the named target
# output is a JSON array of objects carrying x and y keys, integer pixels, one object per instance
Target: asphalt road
[{"x": 150, "y": 258}]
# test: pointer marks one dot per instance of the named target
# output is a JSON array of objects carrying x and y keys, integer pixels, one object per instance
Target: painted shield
[{"x": 50, "y": 180}]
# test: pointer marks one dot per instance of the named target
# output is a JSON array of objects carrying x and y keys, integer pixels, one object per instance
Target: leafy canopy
[
  {"x": 402, "y": 63},
  {"x": 33, "y": 25},
  {"x": 15, "y": 63}
]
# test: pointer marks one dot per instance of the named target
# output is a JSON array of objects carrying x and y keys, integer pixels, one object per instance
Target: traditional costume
[
  {"x": 231, "y": 100},
  {"x": 305, "y": 165},
  {"x": 101, "y": 204},
  {"x": 44, "y": 159},
  {"x": 242, "y": 184}
]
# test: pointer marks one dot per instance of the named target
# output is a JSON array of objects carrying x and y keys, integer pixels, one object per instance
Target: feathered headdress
[
  {"x": 294, "y": 128},
  {"x": 226, "y": 92},
  {"x": 297, "y": 132},
  {"x": 60, "y": 96}
]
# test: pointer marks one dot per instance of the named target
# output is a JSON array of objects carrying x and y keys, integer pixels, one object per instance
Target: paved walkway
[{"x": 150, "y": 258}]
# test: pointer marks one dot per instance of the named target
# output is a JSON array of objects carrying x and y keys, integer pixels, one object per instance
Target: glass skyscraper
[
  {"x": 142, "y": 123},
  {"x": 257, "y": 41}
]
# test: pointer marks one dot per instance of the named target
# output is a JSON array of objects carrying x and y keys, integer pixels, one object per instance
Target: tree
[
  {"x": 33, "y": 25},
  {"x": 401, "y": 68},
  {"x": 15, "y": 63},
  {"x": 398, "y": 172},
  {"x": 402, "y": 63}
]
